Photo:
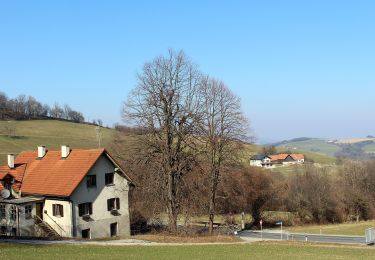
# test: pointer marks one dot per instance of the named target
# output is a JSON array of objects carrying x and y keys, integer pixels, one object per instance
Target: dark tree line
[{"x": 27, "y": 107}]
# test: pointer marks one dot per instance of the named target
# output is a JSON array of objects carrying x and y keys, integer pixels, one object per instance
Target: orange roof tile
[
  {"x": 52, "y": 175},
  {"x": 297, "y": 156},
  {"x": 276, "y": 157}
]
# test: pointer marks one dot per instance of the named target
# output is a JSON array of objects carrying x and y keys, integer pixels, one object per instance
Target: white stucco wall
[
  {"x": 257, "y": 163},
  {"x": 62, "y": 225},
  {"x": 101, "y": 218}
]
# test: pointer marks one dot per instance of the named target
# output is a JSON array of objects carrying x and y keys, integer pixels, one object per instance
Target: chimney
[
  {"x": 41, "y": 151},
  {"x": 65, "y": 150},
  {"x": 11, "y": 161}
]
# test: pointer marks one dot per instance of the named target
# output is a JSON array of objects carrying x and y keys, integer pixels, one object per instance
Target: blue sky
[{"x": 302, "y": 68}]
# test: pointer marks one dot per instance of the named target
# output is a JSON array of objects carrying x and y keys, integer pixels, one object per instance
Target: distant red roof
[
  {"x": 52, "y": 175},
  {"x": 297, "y": 156},
  {"x": 276, "y": 157}
]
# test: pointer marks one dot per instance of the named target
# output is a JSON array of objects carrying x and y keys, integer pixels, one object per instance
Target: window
[
  {"x": 113, "y": 204},
  {"x": 3, "y": 230},
  {"x": 109, "y": 178},
  {"x": 85, "y": 209},
  {"x": 91, "y": 181},
  {"x": 57, "y": 210},
  {"x": 13, "y": 212},
  {"x": 86, "y": 233},
  {"x": 113, "y": 229},
  {"x": 2, "y": 211},
  {"x": 28, "y": 209}
]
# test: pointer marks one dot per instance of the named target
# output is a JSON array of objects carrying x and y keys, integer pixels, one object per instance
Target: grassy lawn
[
  {"x": 264, "y": 250},
  {"x": 370, "y": 148},
  {"x": 353, "y": 229},
  {"x": 27, "y": 135},
  {"x": 312, "y": 145}
]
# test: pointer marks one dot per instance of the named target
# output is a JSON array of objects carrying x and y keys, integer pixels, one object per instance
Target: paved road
[{"x": 302, "y": 237}]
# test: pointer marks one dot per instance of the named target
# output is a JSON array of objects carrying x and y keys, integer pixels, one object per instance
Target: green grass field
[
  {"x": 353, "y": 229},
  {"x": 370, "y": 148},
  {"x": 263, "y": 250},
  {"x": 17, "y": 136},
  {"x": 314, "y": 145}
]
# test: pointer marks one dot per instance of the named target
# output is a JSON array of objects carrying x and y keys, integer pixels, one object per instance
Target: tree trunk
[
  {"x": 212, "y": 201},
  {"x": 211, "y": 214},
  {"x": 172, "y": 211}
]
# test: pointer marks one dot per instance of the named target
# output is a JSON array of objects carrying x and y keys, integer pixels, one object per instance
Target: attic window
[
  {"x": 91, "y": 181},
  {"x": 109, "y": 178}
]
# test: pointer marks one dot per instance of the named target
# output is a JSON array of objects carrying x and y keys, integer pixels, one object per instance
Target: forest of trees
[
  {"x": 310, "y": 195},
  {"x": 27, "y": 107}
]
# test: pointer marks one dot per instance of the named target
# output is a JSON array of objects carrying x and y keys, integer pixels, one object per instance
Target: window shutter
[
  {"x": 54, "y": 209},
  {"x": 117, "y": 203},
  {"x": 61, "y": 210},
  {"x": 90, "y": 208},
  {"x": 109, "y": 204},
  {"x": 80, "y": 209}
]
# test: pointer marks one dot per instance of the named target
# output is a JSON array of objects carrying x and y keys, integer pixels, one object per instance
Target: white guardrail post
[{"x": 370, "y": 236}]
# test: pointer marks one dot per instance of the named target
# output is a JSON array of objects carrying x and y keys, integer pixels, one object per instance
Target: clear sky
[{"x": 302, "y": 68}]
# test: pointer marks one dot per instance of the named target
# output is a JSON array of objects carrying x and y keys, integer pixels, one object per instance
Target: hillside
[
  {"x": 311, "y": 145},
  {"x": 330, "y": 147},
  {"x": 16, "y": 136}
]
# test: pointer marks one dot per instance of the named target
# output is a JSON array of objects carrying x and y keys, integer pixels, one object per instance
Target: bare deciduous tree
[
  {"x": 223, "y": 128},
  {"x": 166, "y": 104}
]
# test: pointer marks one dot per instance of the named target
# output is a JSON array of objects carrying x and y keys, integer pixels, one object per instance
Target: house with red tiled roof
[
  {"x": 272, "y": 161},
  {"x": 64, "y": 193}
]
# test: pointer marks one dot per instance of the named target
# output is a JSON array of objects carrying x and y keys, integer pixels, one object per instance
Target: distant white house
[
  {"x": 272, "y": 161},
  {"x": 261, "y": 161},
  {"x": 66, "y": 193}
]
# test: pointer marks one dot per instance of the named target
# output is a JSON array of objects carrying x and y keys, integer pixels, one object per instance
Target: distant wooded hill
[{"x": 27, "y": 107}]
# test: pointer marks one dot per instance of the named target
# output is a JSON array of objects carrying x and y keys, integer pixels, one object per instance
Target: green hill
[
  {"x": 17, "y": 136},
  {"x": 314, "y": 145}
]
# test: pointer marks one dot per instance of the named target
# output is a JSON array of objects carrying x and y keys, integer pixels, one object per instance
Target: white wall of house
[
  {"x": 101, "y": 219},
  {"x": 256, "y": 163},
  {"x": 62, "y": 225},
  {"x": 25, "y": 224}
]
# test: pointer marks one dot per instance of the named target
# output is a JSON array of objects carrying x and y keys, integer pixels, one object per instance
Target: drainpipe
[
  {"x": 73, "y": 217},
  {"x": 18, "y": 221}
]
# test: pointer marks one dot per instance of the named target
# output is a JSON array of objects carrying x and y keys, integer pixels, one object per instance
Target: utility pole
[{"x": 98, "y": 136}]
